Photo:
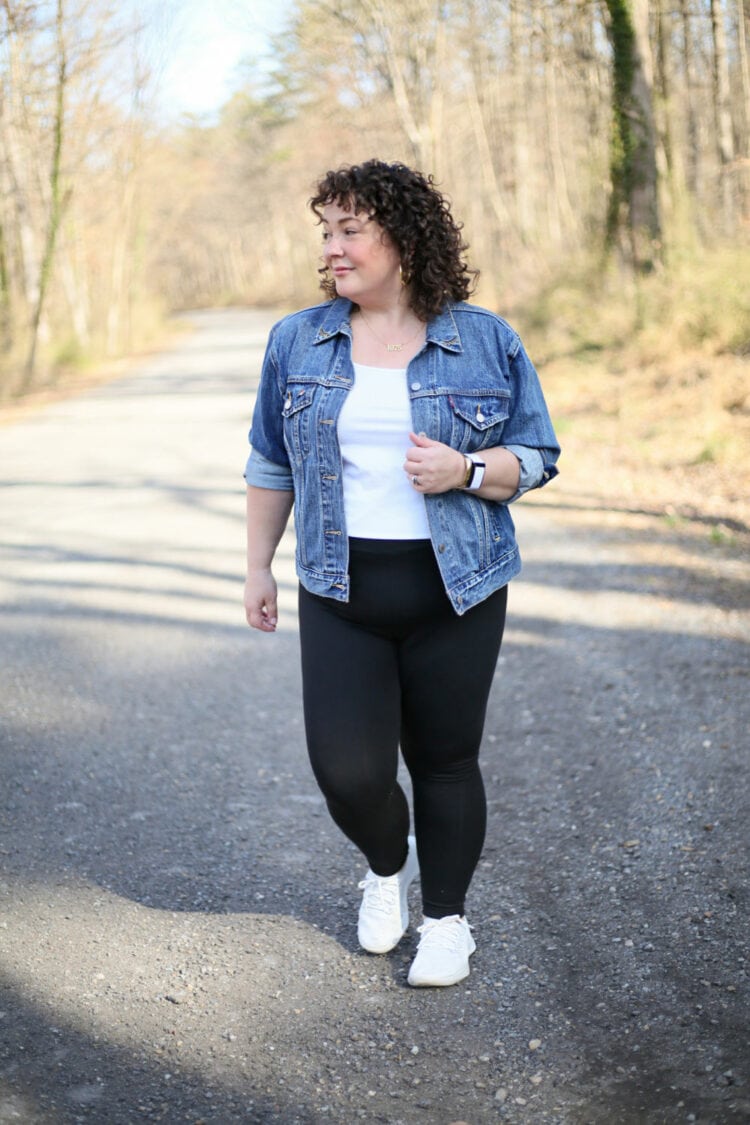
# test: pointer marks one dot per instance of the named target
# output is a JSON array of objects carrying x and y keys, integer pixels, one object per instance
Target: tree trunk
[
  {"x": 670, "y": 173},
  {"x": 56, "y": 196},
  {"x": 633, "y": 222},
  {"x": 74, "y": 286},
  {"x": 522, "y": 196},
  {"x": 6, "y": 318},
  {"x": 14, "y": 180},
  {"x": 437, "y": 103},
  {"x": 561, "y": 218},
  {"x": 118, "y": 321},
  {"x": 488, "y": 175},
  {"x": 723, "y": 115},
  {"x": 745, "y": 74},
  {"x": 692, "y": 160}
]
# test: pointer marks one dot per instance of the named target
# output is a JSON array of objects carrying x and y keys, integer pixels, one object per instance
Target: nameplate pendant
[{"x": 395, "y": 347}]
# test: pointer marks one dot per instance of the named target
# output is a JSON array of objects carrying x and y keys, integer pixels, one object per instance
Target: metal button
[{"x": 416, "y": 386}]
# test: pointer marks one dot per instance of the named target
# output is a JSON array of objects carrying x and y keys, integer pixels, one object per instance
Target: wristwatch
[{"x": 475, "y": 470}]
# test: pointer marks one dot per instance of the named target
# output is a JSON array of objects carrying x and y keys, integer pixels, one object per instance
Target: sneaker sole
[{"x": 438, "y": 983}]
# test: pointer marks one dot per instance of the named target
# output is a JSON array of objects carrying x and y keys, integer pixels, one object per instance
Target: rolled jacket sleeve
[
  {"x": 529, "y": 433},
  {"x": 262, "y": 473},
  {"x": 268, "y": 463},
  {"x": 532, "y": 469}
]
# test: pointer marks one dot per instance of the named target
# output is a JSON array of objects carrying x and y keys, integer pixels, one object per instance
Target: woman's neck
[{"x": 386, "y": 337}]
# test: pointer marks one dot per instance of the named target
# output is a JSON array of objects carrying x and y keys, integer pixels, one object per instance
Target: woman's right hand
[{"x": 261, "y": 601}]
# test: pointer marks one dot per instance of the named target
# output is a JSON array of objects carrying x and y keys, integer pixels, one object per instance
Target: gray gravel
[{"x": 177, "y": 939}]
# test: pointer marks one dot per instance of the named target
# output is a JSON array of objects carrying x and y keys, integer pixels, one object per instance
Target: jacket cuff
[
  {"x": 531, "y": 464},
  {"x": 262, "y": 473}
]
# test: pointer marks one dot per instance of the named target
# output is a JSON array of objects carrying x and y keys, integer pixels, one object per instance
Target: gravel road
[{"x": 177, "y": 938}]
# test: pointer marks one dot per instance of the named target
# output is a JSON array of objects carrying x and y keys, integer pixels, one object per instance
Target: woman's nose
[{"x": 332, "y": 248}]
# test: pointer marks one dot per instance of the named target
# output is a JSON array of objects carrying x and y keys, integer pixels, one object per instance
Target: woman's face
[{"x": 363, "y": 261}]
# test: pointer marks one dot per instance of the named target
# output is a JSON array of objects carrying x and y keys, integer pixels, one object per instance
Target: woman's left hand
[{"x": 433, "y": 466}]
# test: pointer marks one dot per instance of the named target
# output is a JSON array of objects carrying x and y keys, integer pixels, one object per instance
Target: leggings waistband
[{"x": 388, "y": 546}]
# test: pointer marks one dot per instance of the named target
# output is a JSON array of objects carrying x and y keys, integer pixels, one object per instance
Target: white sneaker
[
  {"x": 443, "y": 953},
  {"x": 384, "y": 913}
]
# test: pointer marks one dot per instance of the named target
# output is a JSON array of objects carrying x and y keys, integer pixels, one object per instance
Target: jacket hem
[{"x": 474, "y": 590}]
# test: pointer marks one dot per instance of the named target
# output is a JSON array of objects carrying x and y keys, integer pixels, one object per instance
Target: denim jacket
[{"x": 471, "y": 386}]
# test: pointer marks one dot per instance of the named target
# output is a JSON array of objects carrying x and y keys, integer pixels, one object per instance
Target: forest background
[{"x": 597, "y": 151}]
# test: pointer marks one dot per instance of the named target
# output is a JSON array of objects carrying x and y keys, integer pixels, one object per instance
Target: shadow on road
[{"x": 59, "y": 1073}]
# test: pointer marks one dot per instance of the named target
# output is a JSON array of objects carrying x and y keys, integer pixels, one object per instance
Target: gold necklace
[{"x": 390, "y": 347}]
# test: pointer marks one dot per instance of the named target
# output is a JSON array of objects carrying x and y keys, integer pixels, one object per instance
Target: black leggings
[{"x": 397, "y": 665}]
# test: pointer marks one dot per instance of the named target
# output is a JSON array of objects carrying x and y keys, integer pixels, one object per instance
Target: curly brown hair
[{"x": 417, "y": 219}]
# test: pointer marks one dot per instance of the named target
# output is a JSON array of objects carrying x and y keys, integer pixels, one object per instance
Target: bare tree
[
  {"x": 723, "y": 112},
  {"x": 20, "y": 236},
  {"x": 634, "y": 221},
  {"x": 56, "y": 196},
  {"x": 745, "y": 81}
]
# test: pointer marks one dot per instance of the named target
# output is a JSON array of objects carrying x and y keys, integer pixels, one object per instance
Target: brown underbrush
[
  {"x": 671, "y": 437},
  {"x": 649, "y": 387}
]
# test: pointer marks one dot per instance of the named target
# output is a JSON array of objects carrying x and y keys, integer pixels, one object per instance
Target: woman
[{"x": 400, "y": 421}]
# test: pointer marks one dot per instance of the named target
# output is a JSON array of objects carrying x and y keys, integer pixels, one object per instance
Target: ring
[{"x": 415, "y": 480}]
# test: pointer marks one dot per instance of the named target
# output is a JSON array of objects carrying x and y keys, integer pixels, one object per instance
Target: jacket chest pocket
[
  {"x": 477, "y": 420},
  {"x": 297, "y": 415}
]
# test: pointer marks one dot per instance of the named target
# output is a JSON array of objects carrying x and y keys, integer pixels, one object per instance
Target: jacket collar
[{"x": 441, "y": 330}]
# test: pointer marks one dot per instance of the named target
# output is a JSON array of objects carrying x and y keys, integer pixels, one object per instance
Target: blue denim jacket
[{"x": 471, "y": 386}]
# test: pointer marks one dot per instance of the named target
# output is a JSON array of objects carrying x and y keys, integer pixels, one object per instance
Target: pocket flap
[
  {"x": 296, "y": 398},
  {"x": 481, "y": 411}
]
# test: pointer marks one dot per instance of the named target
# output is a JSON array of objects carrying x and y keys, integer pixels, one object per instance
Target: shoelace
[
  {"x": 441, "y": 933},
  {"x": 381, "y": 892}
]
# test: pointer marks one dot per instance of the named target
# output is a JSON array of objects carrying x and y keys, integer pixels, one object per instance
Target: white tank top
[{"x": 373, "y": 429}]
